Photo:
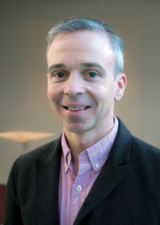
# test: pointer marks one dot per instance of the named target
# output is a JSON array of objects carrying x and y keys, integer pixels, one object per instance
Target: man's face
[{"x": 81, "y": 85}]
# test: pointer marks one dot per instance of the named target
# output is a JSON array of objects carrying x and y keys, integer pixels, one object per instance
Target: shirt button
[
  {"x": 78, "y": 188},
  {"x": 97, "y": 165}
]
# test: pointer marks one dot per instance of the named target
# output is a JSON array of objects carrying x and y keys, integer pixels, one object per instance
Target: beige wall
[{"x": 23, "y": 100}]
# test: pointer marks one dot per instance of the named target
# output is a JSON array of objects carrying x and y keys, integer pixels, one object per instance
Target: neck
[{"x": 79, "y": 142}]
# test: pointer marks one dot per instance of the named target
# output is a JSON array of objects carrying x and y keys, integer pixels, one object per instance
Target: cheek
[
  {"x": 103, "y": 97},
  {"x": 53, "y": 98},
  {"x": 52, "y": 93},
  {"x": 100, "y": 94}
]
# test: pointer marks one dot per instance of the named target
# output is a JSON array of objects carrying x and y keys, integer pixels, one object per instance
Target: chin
[
  {"x": 80, "y": 127},
  {"x": 76, "y": 128}
]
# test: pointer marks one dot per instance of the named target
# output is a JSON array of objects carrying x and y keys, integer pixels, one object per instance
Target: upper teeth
[{"x": 76, "y": 109}]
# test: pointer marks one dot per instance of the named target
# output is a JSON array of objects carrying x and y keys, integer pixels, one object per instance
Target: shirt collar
[{"x": 66, "y": 152}]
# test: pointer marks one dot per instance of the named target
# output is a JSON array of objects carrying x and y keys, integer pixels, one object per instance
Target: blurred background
[{"x": 23, "y": 84}]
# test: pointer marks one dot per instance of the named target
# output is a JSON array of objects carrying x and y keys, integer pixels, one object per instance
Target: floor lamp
[{"x": 25, "y": 137}]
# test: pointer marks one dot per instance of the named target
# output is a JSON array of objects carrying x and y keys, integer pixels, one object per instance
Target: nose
[{"x": 74, "y": 85}]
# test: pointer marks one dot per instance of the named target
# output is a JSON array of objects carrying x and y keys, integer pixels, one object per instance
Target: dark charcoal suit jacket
[{"x": 126, "y": 192}]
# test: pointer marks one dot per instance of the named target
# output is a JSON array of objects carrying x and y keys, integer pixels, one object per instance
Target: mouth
[{"x": 76, "y": 108}]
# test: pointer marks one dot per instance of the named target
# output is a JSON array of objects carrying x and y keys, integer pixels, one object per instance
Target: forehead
[{"x": 88, "y": 44}]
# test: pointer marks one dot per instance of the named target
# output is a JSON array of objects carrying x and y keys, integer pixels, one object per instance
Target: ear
[{"x": 121, "y": 83}]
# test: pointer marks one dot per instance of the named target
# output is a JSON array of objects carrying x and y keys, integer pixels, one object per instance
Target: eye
[
  {"x": 92, "y": 74},
  {"x": 60, "y": 75}
]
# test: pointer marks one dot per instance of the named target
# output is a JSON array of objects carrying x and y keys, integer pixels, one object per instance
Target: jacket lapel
[
  {"x": 47, "y": 184},
  {"x": 112, "y": 173}
]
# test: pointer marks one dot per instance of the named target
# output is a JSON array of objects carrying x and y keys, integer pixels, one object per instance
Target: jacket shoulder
[
  {"x": 145, "y": 159},
  {"x": 144, "y": 147},
  {"x": 44, "y": 152}
]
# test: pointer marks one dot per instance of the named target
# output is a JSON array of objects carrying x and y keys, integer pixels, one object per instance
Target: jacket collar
[
  {"x": 120, "y": 152},
  {"x": 47, "y": 169},
  {"x": 113, "y": 172}
]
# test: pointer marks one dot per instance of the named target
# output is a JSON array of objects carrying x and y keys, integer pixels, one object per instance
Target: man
[{"x": 96, "y": 172}]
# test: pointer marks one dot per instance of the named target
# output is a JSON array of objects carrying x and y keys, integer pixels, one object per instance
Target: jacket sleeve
[{"x": 12, "y": 210}]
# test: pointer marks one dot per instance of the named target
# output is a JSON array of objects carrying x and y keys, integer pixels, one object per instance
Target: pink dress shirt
[{"x": 74, "y": 189}]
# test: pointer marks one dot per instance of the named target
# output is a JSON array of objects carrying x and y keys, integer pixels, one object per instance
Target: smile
[{"x": 76, "y": 109}]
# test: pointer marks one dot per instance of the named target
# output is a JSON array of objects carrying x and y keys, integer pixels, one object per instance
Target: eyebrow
[
  {"x": 56, "y": 66},
  {"x": 90, "y": 64},
  {"x": 84, "y": 65}
]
